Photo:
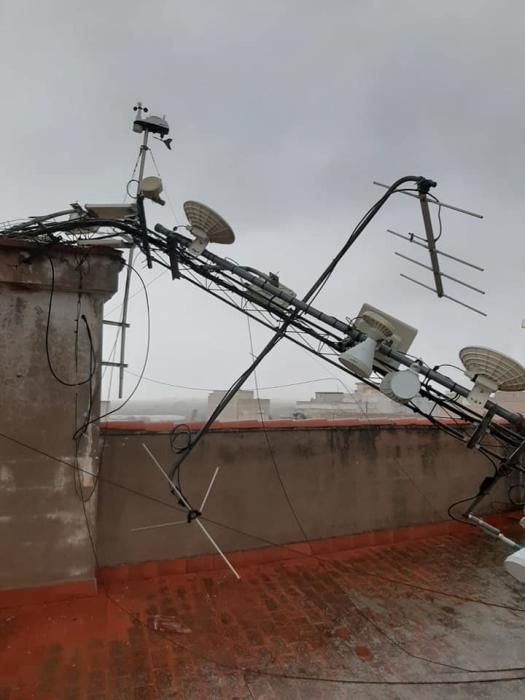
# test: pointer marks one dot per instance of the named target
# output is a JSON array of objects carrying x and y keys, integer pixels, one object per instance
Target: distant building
[
  {"x": 244, "y": 406},
  {"x": 511, "y": 400},
  {"x": 326, "y": 404},
  {"x": 364, "y": 402}
]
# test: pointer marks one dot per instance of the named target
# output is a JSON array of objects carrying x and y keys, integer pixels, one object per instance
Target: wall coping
[
  {"x": 62, "y": 248},
  {"x": 270, "y": 425}
]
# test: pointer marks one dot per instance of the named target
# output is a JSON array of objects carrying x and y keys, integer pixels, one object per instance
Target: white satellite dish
[
  {"x": 151, "y": 188},
  {"x": 207, "y": 226},
  {"x": 491, "y": 371}
]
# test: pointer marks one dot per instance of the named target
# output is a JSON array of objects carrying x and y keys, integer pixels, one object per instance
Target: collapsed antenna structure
[
  {"x": 374, "y": 347},
  {"x": 428, "y": 242}
]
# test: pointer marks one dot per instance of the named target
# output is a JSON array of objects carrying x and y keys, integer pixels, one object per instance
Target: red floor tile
[{"x": 363, "y": 614}]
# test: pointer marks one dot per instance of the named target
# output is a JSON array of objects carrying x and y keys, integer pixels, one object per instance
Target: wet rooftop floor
[{"x": 429, "y": 618}]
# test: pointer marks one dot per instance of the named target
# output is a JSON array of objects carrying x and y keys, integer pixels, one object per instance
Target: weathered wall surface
[
  {"x": 340, "y": 480},
  {"x": 43, "y": 535}
]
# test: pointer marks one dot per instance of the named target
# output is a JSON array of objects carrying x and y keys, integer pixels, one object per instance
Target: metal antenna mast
[
  {"x": 124, "y": 318},
  {"x": 141, "y": 125}
]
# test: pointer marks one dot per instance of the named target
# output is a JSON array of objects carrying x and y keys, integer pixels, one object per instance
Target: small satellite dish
[
  {"x": 491, "y": 371},
  {"x": 151, "y": 188},
  {"x": 207, "y": 226}
]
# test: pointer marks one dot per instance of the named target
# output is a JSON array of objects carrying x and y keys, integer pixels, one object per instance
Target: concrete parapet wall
[{"x": 341, "y": 479}]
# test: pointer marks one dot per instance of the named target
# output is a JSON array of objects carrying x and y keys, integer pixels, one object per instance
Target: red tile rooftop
[{"x": 432, "y": 618}]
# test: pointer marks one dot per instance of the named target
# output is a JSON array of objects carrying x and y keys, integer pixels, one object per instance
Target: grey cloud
[{"x": 282, "y": 114}]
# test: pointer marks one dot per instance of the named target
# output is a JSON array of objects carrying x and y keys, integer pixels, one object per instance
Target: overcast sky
[{"x": 282, "y": 114}]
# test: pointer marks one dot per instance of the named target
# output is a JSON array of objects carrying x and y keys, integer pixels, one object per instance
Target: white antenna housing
[
  {"x": 112, "y": 211},
  {"x": 401, "y": 386},
  {"x": 400, "y": 339},
  {"x": 515, "y": 565},
  {"x": 151, "y": 188},
  {"x": 375, "y": 324},
  {"x": 360, "y": 358}
]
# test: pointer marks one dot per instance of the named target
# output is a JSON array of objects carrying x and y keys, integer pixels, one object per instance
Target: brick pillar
[{"x": 44, "y": 503}]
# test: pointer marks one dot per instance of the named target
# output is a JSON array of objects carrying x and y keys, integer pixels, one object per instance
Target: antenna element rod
[{"x": 443, "y": 205}]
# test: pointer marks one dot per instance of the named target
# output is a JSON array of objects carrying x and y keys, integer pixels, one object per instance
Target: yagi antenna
[{"x": 429, "y": 243}]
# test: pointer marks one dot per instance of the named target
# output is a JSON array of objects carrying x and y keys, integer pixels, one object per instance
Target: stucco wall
[
  {"x": 340, "y": 480},
  {"x": 43, "y": 536}
]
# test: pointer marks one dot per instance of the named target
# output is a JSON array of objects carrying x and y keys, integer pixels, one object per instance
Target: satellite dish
[
  {"x": 151, "y": 188},
  {"x": 491, "y": 370},
  {"x": 207, "y": 225}
]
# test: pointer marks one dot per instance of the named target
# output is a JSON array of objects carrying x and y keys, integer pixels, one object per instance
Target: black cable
[
  {"x": 518, "y": 504},
  {"x": 130, "y": 181},
  {"x": 110, "y": 482},
  {"x": 208, "y": 390},
  {"x": 135, "y": 618},
  {"x": 457, "y": 503},
  {"x": 438, "y": 202},
  {"x": 378, "y": 628},
  {"x": 280, "y": 333},
  {"x": 146, "y": 357},
  {"x": 270, "y": 447},
  {"x": 436, "y": 368},
  {"x": 180, "y": 434},
  {"x": 81, "y": 431},
  {"x": 360, "y": 612},
  {"x": 48, "y": 324}
]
